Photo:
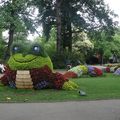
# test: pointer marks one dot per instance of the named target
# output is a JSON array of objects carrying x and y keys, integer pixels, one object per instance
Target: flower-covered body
[{"x": 38, "y": 66}]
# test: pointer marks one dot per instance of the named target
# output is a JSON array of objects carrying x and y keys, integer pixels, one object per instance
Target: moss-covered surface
[{"x": 20, "y": 62}]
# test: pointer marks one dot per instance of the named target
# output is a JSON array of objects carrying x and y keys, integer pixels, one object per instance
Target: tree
[
  {"x": 72, "y": 16},
  {"x": 105, "y": 48},
  {"x": 2, "y": 44},
  {"x": 16, "y": 16}
]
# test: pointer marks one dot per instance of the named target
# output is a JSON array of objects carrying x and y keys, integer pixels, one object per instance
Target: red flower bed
[
  {"x": 40, "y": 74},
  {"x": 70, "y": 74},
  {"x": 107, "y": 69},
  {"x": 9, "y": 76},
  {"x": 41, "y": 77},
  {"x": 94, "y": 71},
  {"x": 51, "y": 80},
  {"x": 98, "y": 71},
  {"x": 58, "y": 80}
]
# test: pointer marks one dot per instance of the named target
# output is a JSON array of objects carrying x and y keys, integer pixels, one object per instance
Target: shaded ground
[
  {"x": 84, "y": 110},
  {"x": 61, "y": 71}
]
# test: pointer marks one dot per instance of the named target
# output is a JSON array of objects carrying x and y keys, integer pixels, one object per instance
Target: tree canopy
[
  {"x": 68, "y": 16},
  {"x": 16, "y": 17}
]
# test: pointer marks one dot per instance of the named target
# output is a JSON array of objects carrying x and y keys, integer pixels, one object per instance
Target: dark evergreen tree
[{"x": 71, "y": 16}]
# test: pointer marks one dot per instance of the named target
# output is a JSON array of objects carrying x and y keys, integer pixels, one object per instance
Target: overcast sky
[{"x": 115, "y": 6}]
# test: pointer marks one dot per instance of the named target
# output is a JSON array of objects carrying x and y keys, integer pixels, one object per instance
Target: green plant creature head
[{"x": 28, "y": 55}]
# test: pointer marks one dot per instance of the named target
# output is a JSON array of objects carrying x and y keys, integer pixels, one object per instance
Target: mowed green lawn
[{"x": 96, "y": 88}]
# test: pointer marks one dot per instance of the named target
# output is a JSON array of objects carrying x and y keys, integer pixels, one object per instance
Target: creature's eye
[
  {"x": 36, "y": 49},
  {"x": 15, "y": 49}
]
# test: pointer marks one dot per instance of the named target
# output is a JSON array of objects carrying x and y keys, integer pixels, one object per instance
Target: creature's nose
[{"x": 24, "y": 54}]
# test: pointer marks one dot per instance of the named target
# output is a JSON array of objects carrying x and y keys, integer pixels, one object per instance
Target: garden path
[{"x": 82, "y": 110}]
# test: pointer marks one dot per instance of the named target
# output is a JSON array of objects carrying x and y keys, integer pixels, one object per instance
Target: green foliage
[
  {"x": 17, "y": 17},
  {"x": 19, "y": 62},
  {"x": 50, "y": 45},
  {"x": 2, "y": 45},
  {"x": 106, "y": 47},
  {"x": 59, "y": 60},
  {"x": 75, "y": 12},
  {"x": 82, "y": 44},
  {"x": 116, "y": 43},
  {"x": 19, "y": 13}
]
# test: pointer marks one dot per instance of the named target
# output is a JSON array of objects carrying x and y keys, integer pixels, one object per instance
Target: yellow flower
[{"x": 69, "y": 85}]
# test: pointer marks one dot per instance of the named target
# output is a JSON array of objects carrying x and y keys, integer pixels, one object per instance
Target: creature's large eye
[
  {"x": 36, "y": 49},
  {"x": 15, "y": 49}
]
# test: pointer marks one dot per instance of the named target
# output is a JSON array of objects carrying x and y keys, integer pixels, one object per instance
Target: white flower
[{"x": 2, "y": 68}]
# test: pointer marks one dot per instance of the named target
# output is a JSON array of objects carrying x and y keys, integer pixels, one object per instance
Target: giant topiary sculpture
[{"x": 30, "y": 67}]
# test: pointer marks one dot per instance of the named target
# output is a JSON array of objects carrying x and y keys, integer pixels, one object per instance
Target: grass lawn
[{"x": 105, "y": 87}]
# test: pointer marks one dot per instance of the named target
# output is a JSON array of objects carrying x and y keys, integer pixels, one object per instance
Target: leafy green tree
[
  {"x": 16, "y": 16},
  {"x": 116, "y": 44},
  {"x": 72, "y": 16},
  {"x": 105, "y": 48},
  {"x": 2, "y": 45},
  {"x": 82, "y": 43},
  {"x": 50, "y": 45}
]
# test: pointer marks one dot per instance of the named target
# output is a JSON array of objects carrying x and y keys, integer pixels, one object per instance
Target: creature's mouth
[{"x": 24, "y": 60}]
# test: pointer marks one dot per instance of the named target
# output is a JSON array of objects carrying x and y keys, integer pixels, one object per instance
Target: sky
[{"x": 113, "y": 5}]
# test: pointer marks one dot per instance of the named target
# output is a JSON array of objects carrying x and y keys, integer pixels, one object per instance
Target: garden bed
[{"x": 96, "y": 88}]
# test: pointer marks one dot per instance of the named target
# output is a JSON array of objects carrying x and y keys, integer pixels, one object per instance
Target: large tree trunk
[
  {"x": 11, "y": 31},
  {"x": 67, "y": 32},
  {"x": 10, "y": 41},
  {"x": 59, "y": 26},
  {"x": 69, "y": 36}
]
